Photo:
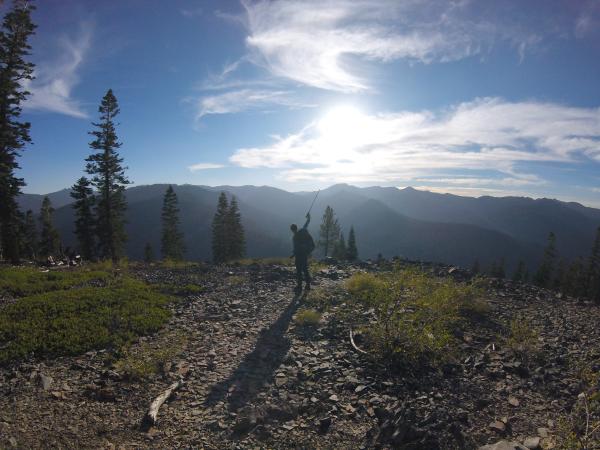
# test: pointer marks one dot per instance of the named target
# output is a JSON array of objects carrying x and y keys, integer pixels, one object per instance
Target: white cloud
[
  {"x": 484, "y": 135},
  {"x": 243, "y": 100},
  {"x": 204, "y": 166},
  {"x": 311, "y": 41},
  {"x": 52, "y": 88},
  {"x": 191, "y": 13}
]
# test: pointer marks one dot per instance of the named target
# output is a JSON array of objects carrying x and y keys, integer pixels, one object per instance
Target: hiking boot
[
  {"x": 307, "y": 287},
  {"x": 298, "y": 288}
]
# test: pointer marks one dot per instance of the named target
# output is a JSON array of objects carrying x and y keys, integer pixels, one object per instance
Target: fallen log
[
  {"x": 151, "y": 416},
  {"x": 354, "y": 344}
]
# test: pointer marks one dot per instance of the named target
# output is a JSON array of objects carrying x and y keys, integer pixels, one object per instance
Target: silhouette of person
[{"x": 303, "y": 246}]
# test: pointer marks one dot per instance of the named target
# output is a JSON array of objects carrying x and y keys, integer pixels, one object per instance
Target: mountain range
[{"x": 406, "y": 222}]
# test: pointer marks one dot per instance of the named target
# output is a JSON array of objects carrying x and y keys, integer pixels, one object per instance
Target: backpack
[{"x": 305, "y": 243}]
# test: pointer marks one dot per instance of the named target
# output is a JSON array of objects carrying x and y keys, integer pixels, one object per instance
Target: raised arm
[{"x": 307, "y": 221}]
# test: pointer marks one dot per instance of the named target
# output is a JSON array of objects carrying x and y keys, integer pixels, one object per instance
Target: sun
[{"x": 341, "y": 123}]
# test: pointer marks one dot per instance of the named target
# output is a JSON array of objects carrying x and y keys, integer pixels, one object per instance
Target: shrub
[
  {"x": 74, "y": 321},
  {"x": 523, "y": 340},
  {"x": 580, "y": 429},
  {"x": 308, "y": 318},
  {"x": 22, "y": 281},
  {"x": 417, "y": 315},
  {"x": 148, "y": 359}
]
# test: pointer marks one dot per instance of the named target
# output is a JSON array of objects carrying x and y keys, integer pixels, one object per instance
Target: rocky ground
[{"x": 255, "y": 379}]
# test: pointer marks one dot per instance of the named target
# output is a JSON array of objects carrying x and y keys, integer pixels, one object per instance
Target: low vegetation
[
  {"x": 580, "y": 429},
  {"x": 523, "y": 341},
  {"x": 63, "y": 321},
  {"x": 416, "y": 316},
  {"x": 148, "y": 359},
  {"x": 308, "y": 318},
  {"x": 23, "y": 281}
]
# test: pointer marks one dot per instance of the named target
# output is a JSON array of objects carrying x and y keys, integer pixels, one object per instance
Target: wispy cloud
[
  {"x": 314, "y": 42},
  {"x": 244, "y": 100},
  {"x": 191, "y": 13},
  {"x": 484, "y": 135},
  {"x": 55, "y": 79},
  {"x": 204, "y": 166}
]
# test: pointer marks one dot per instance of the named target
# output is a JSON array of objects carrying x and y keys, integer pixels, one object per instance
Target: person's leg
[
  {"x": 307, "y": 274},
  {"x": 298, "y": 262}
]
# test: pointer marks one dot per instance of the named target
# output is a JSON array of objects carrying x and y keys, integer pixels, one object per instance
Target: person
[{"x": 303, "y": 246}]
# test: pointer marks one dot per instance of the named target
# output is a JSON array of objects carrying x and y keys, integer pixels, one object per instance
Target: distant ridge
[{"x": 405, "y": 222}]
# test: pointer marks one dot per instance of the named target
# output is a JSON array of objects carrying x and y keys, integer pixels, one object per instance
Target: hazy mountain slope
[
  {"x": 415, "y": 224},
  {"x": 379, "y": 227},
  {"x": 34, "y": 201}
]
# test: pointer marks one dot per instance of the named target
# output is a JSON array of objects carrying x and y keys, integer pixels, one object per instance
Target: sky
[{"x": 472, "y": 97}]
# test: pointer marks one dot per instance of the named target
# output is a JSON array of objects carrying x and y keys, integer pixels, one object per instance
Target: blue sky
[{"x": 474, "y": 97}]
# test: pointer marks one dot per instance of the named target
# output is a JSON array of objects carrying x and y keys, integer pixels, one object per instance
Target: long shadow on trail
[{"x": 258, "y": 367}]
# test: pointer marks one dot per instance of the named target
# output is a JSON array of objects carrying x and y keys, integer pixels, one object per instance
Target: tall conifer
[
  {"x": 105, "y": 165},
  {"x": 15, "y": 72},
  {"x": 352, "y": 251},
  {"x": 49, "y": 238},
  {"x": 340, "y": 252},
  {"x": 83, "y": 195},
  {"x": 172, "y": 246},
  {"x": 545, "y": 272},
  {"x": 329, "y": 232},
  {"x": 219, "y": 231},
  {"x": 234, "y": 232},
  {"x": 30, "y": 236},
  {"x": 593, "y": 271}
]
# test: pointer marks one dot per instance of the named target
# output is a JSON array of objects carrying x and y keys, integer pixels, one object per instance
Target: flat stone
[
  {"x": 513, "y": 401},
  {"x": 532, "y": 443},
  {"x": 498, "y": 426},
  {"x": 542, "y": 432}
]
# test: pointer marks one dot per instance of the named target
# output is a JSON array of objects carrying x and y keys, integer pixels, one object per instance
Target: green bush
[
  {"x": 417, "y": 315},
  {"x": 74, "y": 321},
  {"x": 22, "y": 281},
  {"x": 523, "y": 340},
  {"x": 308, "y": 318},
  {"x": 148, "y": 359}
]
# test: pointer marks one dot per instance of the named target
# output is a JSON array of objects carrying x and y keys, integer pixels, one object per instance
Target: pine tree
[
  {"x": 543, "y": 277},
  {"x": 219, "y": 232},
  {"x": 340, "y": 252},
  {"x": 148, "y": 253},
  {"x": 109, "y": 180},
  {"x": 330, "y": 231},
  {"x": 172, "y": 246},
  {"x": 15, "y": 72},
  {"x": 352, "y": 250},
  {"x": 558, "y": 277},
  {"x": 49, "y": 239},
  {"x": 83, "y": 195},
  {"x": 30, "y": 236},
  {"x": 519, "y": 275},
  {"x": 574, "y": 284},
  {"x": 235, "y": 241},
  {"x": 593, "y": 271}
]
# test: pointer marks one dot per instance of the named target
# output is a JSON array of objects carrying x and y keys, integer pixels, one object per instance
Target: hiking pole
[{"x": 313, "y": 202}]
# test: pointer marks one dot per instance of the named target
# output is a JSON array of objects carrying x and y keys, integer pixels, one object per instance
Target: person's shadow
[{"x": 258, "y": 367}]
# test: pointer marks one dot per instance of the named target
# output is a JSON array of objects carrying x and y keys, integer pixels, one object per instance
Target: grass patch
[
  {"x": 74, "y": 321},
  {"x": 307, "y": 318},
  {"x": 275, "y": 261},
  {"x": 523, "y": 341},
  {"x": 417, "y": 316},
  {"x": 23, "y": 281},
  {"x": 147, "y": 359},
  {"x": 580, "y": 429}
]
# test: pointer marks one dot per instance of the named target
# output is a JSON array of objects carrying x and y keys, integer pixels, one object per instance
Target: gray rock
[
  {"x": 532, "y": 443},
  {"x": 45, "y": 381}
]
